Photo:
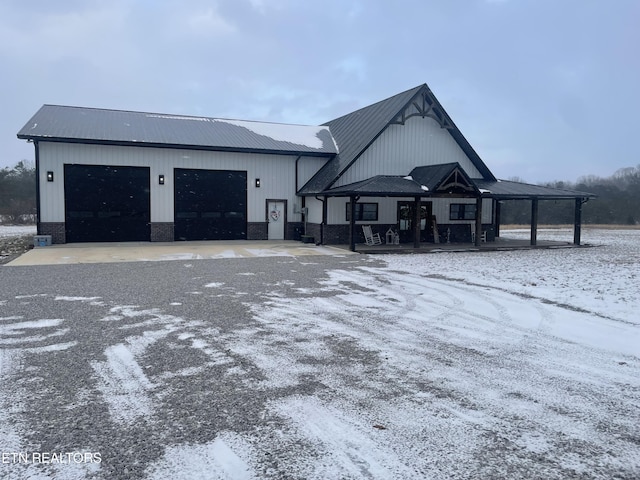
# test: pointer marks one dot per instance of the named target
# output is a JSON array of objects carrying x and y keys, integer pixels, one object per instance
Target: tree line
[
  {"x": 18, "y": 193},
  {"x": 618, "y": 199},
  {"x": 618, "y": 202}
]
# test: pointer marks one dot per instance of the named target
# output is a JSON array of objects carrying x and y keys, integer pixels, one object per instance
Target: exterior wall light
[
  {"x": 49, "y": 176},
  {"x": 160, "y": 179},
  {"x": 257, "y": 183}
]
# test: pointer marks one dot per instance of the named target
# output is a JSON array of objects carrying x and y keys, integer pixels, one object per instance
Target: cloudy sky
[{"x": 543, "y": 89}]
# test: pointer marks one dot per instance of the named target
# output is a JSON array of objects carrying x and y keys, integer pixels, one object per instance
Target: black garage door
[
  {"x": 210, "y": 204},
  {"x": 106, "y": 203}
]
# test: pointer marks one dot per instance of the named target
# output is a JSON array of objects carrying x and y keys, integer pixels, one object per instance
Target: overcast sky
[{"x": 542, "y": 89}]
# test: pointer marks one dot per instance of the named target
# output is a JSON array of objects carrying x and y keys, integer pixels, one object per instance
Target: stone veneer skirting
[
  {"x": 55, "y": 229},
  {"x": 260, "y": 230},
  {"x": 257, "y": 230},
  {"x": 333, "y": 234},
  {"x": 339, "y": 234},
  {"x": 162, "y": 232},
  {"x": 294, "y": 230},
  {"x": 314, "y": 230}
]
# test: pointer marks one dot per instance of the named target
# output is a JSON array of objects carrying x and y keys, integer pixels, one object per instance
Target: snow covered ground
[
  {"x": 16, "y": 230},
  {"x": 515, "y": 364}
]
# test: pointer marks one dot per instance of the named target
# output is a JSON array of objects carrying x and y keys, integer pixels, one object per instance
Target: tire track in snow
[
  {"x": 491, "y": 360},
  {"x": 33, "y": 335},
  {"x": 344, "y": 448},
  {"x": 124, "y": 386}
]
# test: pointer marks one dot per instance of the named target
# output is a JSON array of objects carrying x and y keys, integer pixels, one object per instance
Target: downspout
[
  {"x": 304, "y": 217},
  {"x": 37, "y": 153}
]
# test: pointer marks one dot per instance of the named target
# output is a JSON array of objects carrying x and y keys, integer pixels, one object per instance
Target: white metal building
[{"x": 399, "y": 164}]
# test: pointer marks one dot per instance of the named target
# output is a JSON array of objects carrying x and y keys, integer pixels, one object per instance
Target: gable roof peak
[
  {"x": 412, "y": 92},
  {"x": 356, "y": 131}
]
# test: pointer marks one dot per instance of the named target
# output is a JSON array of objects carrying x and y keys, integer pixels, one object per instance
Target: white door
[{"x": 276, "y": 214}]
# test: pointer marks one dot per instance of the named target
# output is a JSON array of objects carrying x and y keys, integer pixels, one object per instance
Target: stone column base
[
  {"x": 162, "y": 232},
  {"x": 57, "y": 231}
]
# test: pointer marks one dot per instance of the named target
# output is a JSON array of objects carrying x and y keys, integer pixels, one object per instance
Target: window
[
  {"x": 367, "y": 212},
  {"x": 462, "y": 211}
]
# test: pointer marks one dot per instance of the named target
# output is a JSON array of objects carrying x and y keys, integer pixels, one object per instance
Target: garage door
[
  {"x": 106, "y": 203},
  {"x": 210, "y": 204}
]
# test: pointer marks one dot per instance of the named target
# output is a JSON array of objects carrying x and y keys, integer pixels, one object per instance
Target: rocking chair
[{"x": 371, "y": 238}]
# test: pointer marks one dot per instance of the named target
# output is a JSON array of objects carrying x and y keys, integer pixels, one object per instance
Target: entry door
[
  {"x": 406, "y": 216},
  {"x": 276, "y": 214}
]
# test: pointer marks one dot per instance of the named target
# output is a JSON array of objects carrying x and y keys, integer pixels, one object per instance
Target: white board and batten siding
[
  {"x": 276, "y": 174},
  {"x": 314, "y": 210},
  {"x": 401, "y": 148}
]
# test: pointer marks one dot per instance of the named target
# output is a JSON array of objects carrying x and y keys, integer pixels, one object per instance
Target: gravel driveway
[
  {"x": 69, "y": 335},
  {"x": 302, "y": 367}
]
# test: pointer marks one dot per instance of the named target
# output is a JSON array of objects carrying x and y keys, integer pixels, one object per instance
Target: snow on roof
[
  {"x": 177, "y": 117},
  {"x": 306, "y": 135},
  {"x": 101, "y": 125},
  {"x": 298, "y": 134}
]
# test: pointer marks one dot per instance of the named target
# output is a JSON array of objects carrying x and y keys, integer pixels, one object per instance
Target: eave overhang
[
  {"x": 123, "y": 143},
  {"x": 408, "y": 186}
]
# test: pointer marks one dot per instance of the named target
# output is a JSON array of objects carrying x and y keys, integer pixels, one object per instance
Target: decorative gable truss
[
  {"x": 457, "y": 182},
  {"x": 424, "y": 105}
]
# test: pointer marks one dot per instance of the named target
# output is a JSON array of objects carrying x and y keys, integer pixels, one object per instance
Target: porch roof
[
  {"x": 424, "y": 182},
  {"x": 505, "y": 190},
  {"x": 380, "y": 186}
]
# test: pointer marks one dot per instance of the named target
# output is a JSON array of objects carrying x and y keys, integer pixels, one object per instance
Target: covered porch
[
  {"x": 498, "y": 244},
  {"x": 449, "y": 182}
]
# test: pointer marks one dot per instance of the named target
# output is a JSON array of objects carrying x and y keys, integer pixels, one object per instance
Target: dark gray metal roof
[
  {"x": 353, "y": 133},
  {"x": 503, "y": 189},
  {"x": 432, "y": 176},
  {"x": 356, "y": 131},
  {"x": 380, "y": 185},
  {"x": 92, "y": 125},
  {"x": 424, "y": 181}
]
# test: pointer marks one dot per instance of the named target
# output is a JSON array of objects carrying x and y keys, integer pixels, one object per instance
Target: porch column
[
  {"x": 324, "y": 219},
  {"x": 497, "y": 213},
  {"x": 352, "y": 224},
  {"x": 534, "y": 221},
  {"x": 416, "y": 224},
  {"x": 577, "y": 221},
  {"x": 478, "y": 221}
]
